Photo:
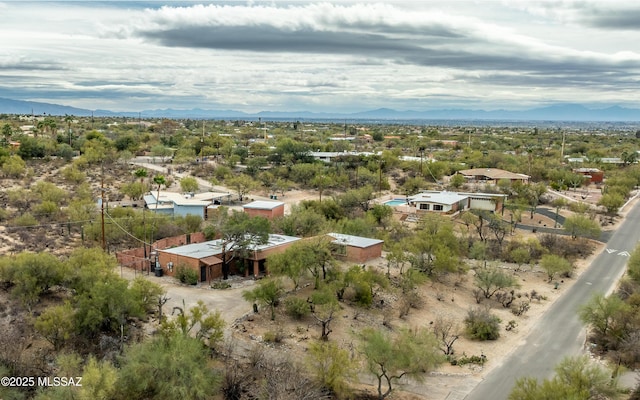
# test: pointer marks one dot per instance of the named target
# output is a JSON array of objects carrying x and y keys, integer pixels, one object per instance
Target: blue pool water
[{"x": 395, "y": 202}]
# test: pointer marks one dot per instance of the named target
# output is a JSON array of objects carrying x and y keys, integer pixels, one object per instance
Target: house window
[
  {"x": 339, "y": 249},
  {"x": 438, "y": 207},
  {"x": 424, "y": 206}
]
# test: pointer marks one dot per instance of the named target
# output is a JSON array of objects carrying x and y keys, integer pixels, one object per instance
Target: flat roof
[
  {"x": 181, "y": 199},
  {"x": 493, "y": 173},
  {"x": 439, "y": 197},
  {"x": 214, "y": 247},
  {"x": 194, "y": 250},
  {"x": 355, "y": 241},
  {"x": 263, "y": 204}
]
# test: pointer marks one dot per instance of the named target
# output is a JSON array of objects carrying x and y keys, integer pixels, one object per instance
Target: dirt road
[{"x": 228, "y": 301}]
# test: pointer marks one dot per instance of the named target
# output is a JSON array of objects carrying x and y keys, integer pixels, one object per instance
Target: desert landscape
[{"x": 450, "y": 298}]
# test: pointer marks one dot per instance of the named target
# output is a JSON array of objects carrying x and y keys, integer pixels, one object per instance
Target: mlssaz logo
[{"x": 59, "y": 381}]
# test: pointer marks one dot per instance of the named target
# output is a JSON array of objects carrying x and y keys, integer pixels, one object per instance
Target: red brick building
[
  {"x": 594, "y": 174},
  {"x": 206, "y": 258},
  {"x": 355, "y": 248},
  {"x": 264, "y": 208}
]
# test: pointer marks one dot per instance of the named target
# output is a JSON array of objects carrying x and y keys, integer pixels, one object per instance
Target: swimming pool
[{"x": 395, "y": 202}]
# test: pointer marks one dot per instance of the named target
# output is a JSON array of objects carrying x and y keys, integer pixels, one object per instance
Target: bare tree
[
  {"x": 447, "y": 331},
  {"x": 284, "y": 380}
]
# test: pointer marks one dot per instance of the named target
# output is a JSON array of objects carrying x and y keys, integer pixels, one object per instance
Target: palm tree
[
  {"x": 68, "y": 119},
  {"x": 6, "y": 132},
  {"x": 141, "y": 173},
  {"x": 159, "y": 180}
]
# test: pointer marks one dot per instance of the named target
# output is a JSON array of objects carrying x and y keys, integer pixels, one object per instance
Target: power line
[{"x": 126, "y": 231}]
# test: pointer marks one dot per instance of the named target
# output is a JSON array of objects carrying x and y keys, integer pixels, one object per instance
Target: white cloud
[{"x": 327, "y": 55}]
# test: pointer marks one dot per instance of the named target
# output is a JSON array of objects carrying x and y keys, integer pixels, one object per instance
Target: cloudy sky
[{"x": 321, "y": 56}]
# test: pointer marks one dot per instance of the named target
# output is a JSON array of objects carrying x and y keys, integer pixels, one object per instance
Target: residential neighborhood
[{"x": 398, "y": 233}]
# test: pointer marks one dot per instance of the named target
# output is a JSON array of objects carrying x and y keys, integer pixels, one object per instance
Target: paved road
[{"x": 559, "y": 332}]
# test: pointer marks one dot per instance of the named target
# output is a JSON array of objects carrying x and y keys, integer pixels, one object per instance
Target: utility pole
[
  {"x": 562, "y": 147},
  {"x": 104, "y": 242},
  {"x": 380, "y": 178}
]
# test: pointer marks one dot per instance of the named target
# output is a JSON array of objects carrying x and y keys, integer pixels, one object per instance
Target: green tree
[
  {"x": 14, "y": 167},
  {"x": 575, "y": 378},
  {"x": 480, "y": 324},
  {"x": 607, "y": 317},
  {"x": 490, "y": 280},
  {"x": 73, "y": 174},
  {"x": 435, "y": 247},
  {"x": 31, "y": 275},
  {"x": 554, "y": 265},
  {"x": 381, "y": 213},
  {"x": 457, "y": 181},
  {"x": 161, "y": 151},
  {"x": 579, "y": 225},
  {"x": 321, "y": 183},
  {"x": 317, "y": 257},
  {"x": 159, "y": 180},
  {"x": 325, "y": 305},
  {"x": 242, "y": 184},
  {"x": 99, "y": 380},
  {"x": 166, "y": 369},
  {"x": 289, "y": 264},
  {"x": 268, "y": 293},
  {"x": 238, "y": 233},
  {"x": 331, "y": 365},
  {"x": 209, "y": 325},
  {"x": 612, "y": 202},
  {"x": 47, "y": 191},
  {"x": 189, "y": 184},
  {"x": 104, "y": 307},
  {"x": 520, "y": 255},
  {"x": 533, "y": 193},
  {"x": 300, "y": 222},
  {"x": 56, "y": 324},
  {"x": 475, "y": 220},
  {"x": 633, "y": 266},
  {"x": 135, "y": 190},
  {"x": 145, "y": 295},
  {"x": 7, "y": 131},
  {"x": 558, "y": 203},
  {"x": 409, "y": 353},
  {"x": 356, "y": 201},
  {"x": 189, "y": 223},
  {"x": 69, "y": 119},
  {"x": 140, "y": 173}
]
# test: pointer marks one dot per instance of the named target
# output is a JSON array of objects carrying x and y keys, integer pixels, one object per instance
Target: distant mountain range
[{"x": 558, "y": 112}]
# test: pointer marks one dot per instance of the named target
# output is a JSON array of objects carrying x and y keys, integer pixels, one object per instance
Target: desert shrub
[
  {"x": 565, "y": 247},
  {"x": 26, "y": 219},
  {"x": 480, "y": 324},
  {"x": 273, "y": 337},
  {"x": 296, "y": 307},
  {"x": 220, "y": 285},
  {"x": 186, "y": 275},
  {"x": 73, "y": 174},
  {"x": 519, "y": 308},
  {"x": 363, "y": 296},
  {"x": 473, "y": 359}
]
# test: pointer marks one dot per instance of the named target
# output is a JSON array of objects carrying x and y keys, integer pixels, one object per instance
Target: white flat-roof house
[
  {"x": 329, "y": 156},
  {"x": 449, "y": 202},
  {"x": 179, "y": 204}
]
